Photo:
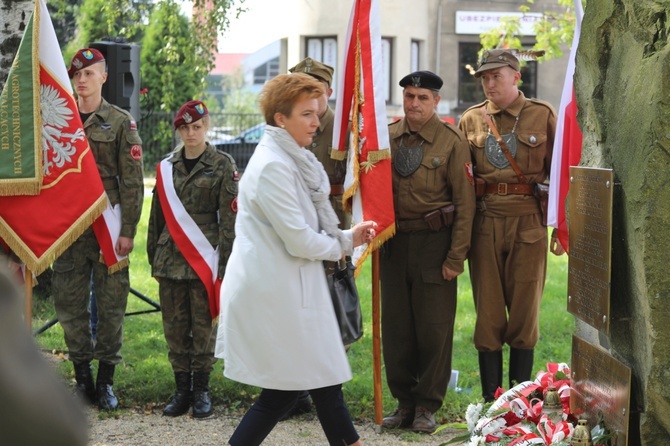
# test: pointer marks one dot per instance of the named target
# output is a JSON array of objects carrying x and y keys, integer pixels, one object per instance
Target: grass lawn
[{"x": 144, "y": 378}]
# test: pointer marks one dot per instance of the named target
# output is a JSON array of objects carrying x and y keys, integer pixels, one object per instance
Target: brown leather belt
[
  {"x": 204, "y": 219},
  {"x": 510, "y": 188},
  {"x": 433, "y": 221},
  {"x": 337, "y": 189}
]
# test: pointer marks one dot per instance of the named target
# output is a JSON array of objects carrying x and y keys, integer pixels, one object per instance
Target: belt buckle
[{"x": 502, "y": 188}]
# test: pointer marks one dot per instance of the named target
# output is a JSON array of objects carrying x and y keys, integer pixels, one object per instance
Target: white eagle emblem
[{"x": 55, "y": 117}]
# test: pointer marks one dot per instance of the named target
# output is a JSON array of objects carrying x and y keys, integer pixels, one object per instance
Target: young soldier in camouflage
[
  {"x": 117, "y": 148},
  {"x": 201, "y": 183}
]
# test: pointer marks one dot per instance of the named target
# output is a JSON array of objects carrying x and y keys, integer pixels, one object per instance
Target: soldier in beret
[
  {"x": 204, "y": 182},
  {"x": 333, "y": 162},
  {"x": 117, "y": 148},
  {"x": 434, "y": 203},
  {"x": 509, "y": 244}
]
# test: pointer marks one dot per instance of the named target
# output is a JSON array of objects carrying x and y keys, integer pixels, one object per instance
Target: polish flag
[{"x": 568, "y": 143}]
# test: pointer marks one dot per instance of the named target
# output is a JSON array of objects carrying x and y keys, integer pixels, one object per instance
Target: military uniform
[
  {"x": 509, "y": 244},
  {"x": 116, "y": 146},
  {"x": 208, "y": 193},
  {"x": 418, "y": 304}
]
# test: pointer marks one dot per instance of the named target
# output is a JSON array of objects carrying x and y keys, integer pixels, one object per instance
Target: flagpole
[
  {"x": 376, "y": 342},
  {"x": 28, "y": 281}
]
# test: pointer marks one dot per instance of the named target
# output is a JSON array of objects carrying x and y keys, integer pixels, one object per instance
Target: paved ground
[{"x": 129, "y": 428}]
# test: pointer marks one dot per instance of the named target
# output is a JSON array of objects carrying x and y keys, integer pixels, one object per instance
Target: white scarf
[{"x": 315, "y": 177}]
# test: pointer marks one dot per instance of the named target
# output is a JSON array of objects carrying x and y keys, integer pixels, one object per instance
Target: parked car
[{"x": 242, "y": 146}]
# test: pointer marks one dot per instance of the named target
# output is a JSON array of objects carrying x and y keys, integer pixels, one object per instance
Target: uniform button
[
  {"x": 436, "y": 162},
  {"x": 533, "y": 139},
  {"x": 313, "y": 144}
]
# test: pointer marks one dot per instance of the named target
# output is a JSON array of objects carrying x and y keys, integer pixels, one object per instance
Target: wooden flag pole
[
  {"x": 29, "y": 300},
  {"x": 376, "y": 342}
]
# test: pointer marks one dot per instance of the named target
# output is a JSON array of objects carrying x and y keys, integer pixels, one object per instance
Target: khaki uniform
[
  {"x": 509, "y": 244},
  {"x": 322, "y": 145},
  {"x": 116, "y": 146},
  {"x": 418, "y": 305},
  {"x": 208, "y": 193}
]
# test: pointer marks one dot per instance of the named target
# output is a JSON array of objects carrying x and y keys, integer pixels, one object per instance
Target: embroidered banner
[
  {"x": 38, "y": 228},
  {"x": 360, "y": 94}
]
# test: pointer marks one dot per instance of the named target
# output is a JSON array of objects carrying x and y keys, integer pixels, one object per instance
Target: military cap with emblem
[
  {"x": 83, "y": 58},
  {"x": 314, "y": 68},
  {"x": 422, "y": 79},
  {"x": 190, "y": 112},
  {"x": 503, "y": 57}
]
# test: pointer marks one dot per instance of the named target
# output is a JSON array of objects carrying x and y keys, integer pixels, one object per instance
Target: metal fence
[{"x": 159, "y": 138}]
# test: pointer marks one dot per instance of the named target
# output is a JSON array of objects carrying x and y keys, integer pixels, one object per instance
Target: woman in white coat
[{"x": 277, "y": 327}]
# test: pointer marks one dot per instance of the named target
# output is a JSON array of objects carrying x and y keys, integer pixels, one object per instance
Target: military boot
[
  {"x": 181, "y": 400},
  {"x": 520, "y": 365},
  {"x": 84, "y": 377},
  {"x": 104, "y": 381},
  {"x": 202, "y": 405},
  {"x": 490, "y": 372}
]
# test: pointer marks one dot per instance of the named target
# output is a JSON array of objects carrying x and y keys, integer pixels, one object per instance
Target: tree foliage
[
  {"x": 552, "y": 32},
  {"x": 237, "y": 99}
]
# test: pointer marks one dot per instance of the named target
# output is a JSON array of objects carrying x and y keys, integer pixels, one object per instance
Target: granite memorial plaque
[
  {"x": 590, "y": 226},
  {"x": 600, "y": 389}
]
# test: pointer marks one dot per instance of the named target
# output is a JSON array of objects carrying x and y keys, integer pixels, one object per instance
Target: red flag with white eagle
[
  {"x": 567, "y": 144},
  {"x": 360, "y": 96},
  {"x": 41, "y": 124}
]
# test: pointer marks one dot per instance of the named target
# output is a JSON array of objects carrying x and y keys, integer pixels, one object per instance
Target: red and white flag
[
  {"x": 567, "y": 144},
  {"x": 39, "y": 110},
  {"x": 360, "y": 96}
]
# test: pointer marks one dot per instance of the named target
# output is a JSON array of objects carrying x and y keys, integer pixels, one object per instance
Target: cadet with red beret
[
  {"x": 194, "y": 206},
  {"x": 117, "y": 148}
]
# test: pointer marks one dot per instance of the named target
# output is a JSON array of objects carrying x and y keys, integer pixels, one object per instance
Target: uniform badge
[
  {"x": 187, "y": 118},
  {"x": 133, "y": 125},
  {"x": 105, "y": 126},
  {"x": 136, "y": 152},
  {"x": 470, "y": 173},
  {"x": 236, "y": 176},
  {"x": 233, "y": 205}
]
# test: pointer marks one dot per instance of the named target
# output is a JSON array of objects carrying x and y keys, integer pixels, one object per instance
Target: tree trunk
[
  {"x": 622, "y": 85},
  {"x": 14, "y": 16}
]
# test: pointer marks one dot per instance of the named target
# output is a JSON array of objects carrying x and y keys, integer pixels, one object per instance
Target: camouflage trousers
[
  {"x": 71, "y": 289},
  {"x": 187, "y": 324}
]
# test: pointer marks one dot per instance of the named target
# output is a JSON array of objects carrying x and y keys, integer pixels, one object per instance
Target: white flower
[
  {"x": 494, "y": 426},
  {"x": 477, "y": 440},
  {"x": 472, "y": 415}
]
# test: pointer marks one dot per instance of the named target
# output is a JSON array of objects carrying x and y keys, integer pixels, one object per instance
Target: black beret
[{"x": 422, "y": 79}]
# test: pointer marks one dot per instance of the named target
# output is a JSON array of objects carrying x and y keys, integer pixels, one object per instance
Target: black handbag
[{"x": 347, "y": 307}]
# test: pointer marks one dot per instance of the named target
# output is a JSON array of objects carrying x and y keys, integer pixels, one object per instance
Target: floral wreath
[{"x": 516, "y": 417}]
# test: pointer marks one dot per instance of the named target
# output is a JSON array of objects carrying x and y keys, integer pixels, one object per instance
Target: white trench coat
[{"x": 277, "y": 327}]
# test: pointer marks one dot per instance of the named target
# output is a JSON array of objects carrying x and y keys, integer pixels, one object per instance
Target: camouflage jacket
[
  {"x": 209, "y": 195},
  {"x": 117, "y": 148}
]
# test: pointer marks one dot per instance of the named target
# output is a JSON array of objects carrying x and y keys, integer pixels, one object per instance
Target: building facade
[{"x": 437, "y": 35}]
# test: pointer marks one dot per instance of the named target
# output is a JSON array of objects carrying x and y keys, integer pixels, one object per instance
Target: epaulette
[
  {"x": 480, "y": 105},
  {"x": 454, "y": 129},
  {"x": 543, "y": 103},
  {"x": 226, "y": 155}
]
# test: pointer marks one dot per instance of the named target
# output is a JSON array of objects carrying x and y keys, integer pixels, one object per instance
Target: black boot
[
  {"x": 520, "y": 365},
  {"x": 181, "y": 400},
  {"x": 202, "y": 405},
  {"x": 490, "y": 371},
  {"x": 106, "y": 398},
  {"x": 84, "y": 377}
]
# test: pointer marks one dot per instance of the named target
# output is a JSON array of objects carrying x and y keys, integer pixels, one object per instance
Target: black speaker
[{"x": 123, "y": 75}]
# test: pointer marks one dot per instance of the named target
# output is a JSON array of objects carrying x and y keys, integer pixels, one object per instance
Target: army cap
[
  {"x": 190, "y": 112},
  {"x": 498, "y": 58},
  {"x": 314, "y": 68},
  {"x": 422, "y": 79},
  {"x": 84, "y": 58}
]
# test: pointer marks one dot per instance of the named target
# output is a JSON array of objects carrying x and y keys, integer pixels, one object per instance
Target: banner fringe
[
  {"x": 377, "y": 242},
  {"x": 378, "y": 155},
  {"x": 12, "y": 187},
  {"x": 38, "y": 264},
  {"x": 339, "y": 155}
]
